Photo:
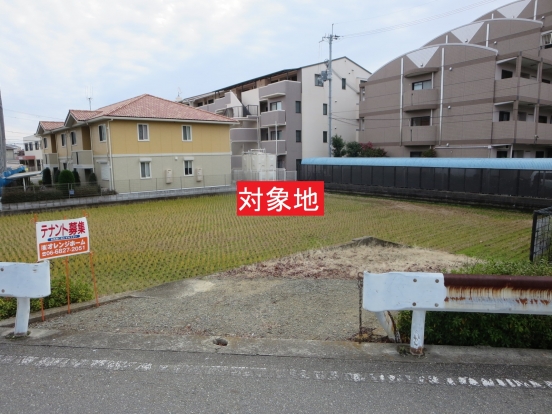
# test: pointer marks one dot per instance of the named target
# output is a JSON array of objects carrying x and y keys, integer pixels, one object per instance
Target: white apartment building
[
  {"x": 286, "y": 112},
  {"x": 32, "y": 146}
]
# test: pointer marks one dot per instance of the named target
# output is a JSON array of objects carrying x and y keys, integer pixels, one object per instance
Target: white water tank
[{"x": 168, "y": 176}]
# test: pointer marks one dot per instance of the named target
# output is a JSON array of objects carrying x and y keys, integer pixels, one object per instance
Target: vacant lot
[{"x": 145, "y": 244}]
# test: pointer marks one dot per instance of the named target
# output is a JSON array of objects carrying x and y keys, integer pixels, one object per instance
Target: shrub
[
  {"x": 92, "y": 179},
  {"x": 490, "y": 329},
  {"x": 337, "y": 145},
  {"x": 56, "y": 176},
  {"x": 46, "y": 177},
  {"x": 368, "y": 150},
  {"x": 80, "y": 292},
  {"x": 353, "y": 149},
  {"x": 18, "y": 195},
  {"x": 429, "y": 153},
  {"x": 66, "y": 178},
  {"x": 76, "y": 177}
]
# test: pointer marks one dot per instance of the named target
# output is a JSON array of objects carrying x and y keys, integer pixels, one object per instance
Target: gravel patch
[{"x": 311, "y": 295}]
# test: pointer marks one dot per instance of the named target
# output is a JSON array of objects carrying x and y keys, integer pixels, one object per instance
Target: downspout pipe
[{"x": 111, "y": 174}]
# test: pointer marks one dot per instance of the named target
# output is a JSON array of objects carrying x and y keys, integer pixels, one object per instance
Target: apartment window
[
  {"x": 143, "y": 134},
  {"x": 37, "y": 145},
  {"x": 543, "y": 119},
  {"x": 264, "y": 134},
  {"x": 298, "y": 136},
  {"x": 324, "y": 136},
  {"x": 415, "y": 154},
  {"x": 188, "y": 167},
  {"x": 145, "y": 169},
  {"x": 425, "y": 84},
  {"x": 343, "y": 83},
  {"x": 318, "y": 80},
  {"x": 62, "y": 140},
  {"x": 45, "y": 142},
  {"x": 73, "y": 138},
  {"x": 275, "y": 106},
  {"x": 64, "y": 165},
  {"x": 546, "y": 81},
  {"x": 210, "y": 101},
  {"x": 420, "y": 121},
  {"x": 539, "y": 154},
  {"x": 102, "y": 133},
  {"x": 502, "y": 154},
  {"x": 297, "y": 107},
  {"x": 506, "y": 74},
  {"x": 503, "y": 116},
  {"x": 522, "y": 116},
  {"x": 324, "y": 109},
  {"x": 186, "y": 133},
  {"x": 26, "y": 147},
  {"x": 275, "y": 135},
  {"x": 546, "y": 40}
]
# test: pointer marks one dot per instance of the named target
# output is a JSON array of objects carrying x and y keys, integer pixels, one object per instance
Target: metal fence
[
  {"x": 541, "y": 236},
  {"x": 280, "y": 174}
]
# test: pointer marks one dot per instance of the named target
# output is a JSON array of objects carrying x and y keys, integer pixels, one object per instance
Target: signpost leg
[
  {"x": 22, "y": 316},
  {"x": 417, "y": 332},
  {"x": 94, "y": 277},
  {"x": 67, "y": 285}
]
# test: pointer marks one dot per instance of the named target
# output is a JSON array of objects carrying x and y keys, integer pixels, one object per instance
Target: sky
[{"x": 54, "y": 52}]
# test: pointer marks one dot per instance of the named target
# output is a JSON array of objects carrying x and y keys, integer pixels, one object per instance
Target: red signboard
[{"x": 280, "y": 198}]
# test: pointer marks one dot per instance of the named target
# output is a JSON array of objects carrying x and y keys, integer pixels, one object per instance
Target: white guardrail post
[
  {"x": 24, "y": 281},
  {"x": 422, "y": 292}
]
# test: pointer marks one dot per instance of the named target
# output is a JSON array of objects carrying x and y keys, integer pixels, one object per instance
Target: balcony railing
[
  {"x": 274, "y": 147},
  {"x": 278, "y": 89},
  {"x": 82, "y": 159},
  {"x": 507, "y": 131},
  {"x": 273, "y": 118},
  {"x": 243, "y": 135},
  {"x": 421, "y": 99},
  {"x": 51, "y": 159},
  {"x": 419, "y": 135},
  {"x": 241, "y": 111}
]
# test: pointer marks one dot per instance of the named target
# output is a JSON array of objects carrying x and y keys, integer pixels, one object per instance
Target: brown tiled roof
[
  {"x": 49, "y": 125},
  {"x": 83, "y": 115},
  {"x": 148, "y": 106}
]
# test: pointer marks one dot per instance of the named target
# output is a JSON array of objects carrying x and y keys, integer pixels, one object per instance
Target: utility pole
[
  {"x": 330, "y": 38},
  {"x": 2, "y": 139}
]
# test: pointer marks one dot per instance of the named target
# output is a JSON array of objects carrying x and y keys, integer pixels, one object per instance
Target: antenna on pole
[
  {"x": 88, "y": 94},
  {"x": 330, "y": 38}
]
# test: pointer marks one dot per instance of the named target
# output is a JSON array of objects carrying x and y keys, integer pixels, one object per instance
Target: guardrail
[
  {"x": 422, "y": 292},
  {"x": 24, "y": 281}
]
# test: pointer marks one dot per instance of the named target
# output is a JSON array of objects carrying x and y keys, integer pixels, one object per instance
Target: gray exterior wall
[{"x": 468, "y": 94}]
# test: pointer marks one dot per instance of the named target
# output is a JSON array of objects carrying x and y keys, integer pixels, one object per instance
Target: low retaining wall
[{"x": 115, "y": 198}]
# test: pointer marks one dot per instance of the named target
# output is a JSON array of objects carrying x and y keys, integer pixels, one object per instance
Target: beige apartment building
[
  {"x": 286, "y": 112},
  {"x": 480, "y": 90},
  {"x": 140, "y": 144}
]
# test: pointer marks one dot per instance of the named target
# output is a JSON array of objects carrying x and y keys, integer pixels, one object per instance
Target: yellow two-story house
[{"x": 145, "y": 143}]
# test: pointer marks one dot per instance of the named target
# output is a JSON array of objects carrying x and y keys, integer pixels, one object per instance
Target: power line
[
  {"x": 39, "y": 116},
  {"x": 419, "y": 21}
]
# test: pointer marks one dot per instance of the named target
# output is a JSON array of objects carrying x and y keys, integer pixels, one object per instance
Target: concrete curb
[
  {"x": 61, "y": 311},
  {"x": 292, "y": 348}
]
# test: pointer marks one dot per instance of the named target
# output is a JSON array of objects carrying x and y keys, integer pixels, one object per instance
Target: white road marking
[{"x": 113, "y": 365}]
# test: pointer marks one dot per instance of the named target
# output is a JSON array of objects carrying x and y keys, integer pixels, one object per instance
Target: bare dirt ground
[{"x": 310, "y": 295}]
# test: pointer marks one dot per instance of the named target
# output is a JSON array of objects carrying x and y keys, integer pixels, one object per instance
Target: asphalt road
[{"x": 48, "y": 378}]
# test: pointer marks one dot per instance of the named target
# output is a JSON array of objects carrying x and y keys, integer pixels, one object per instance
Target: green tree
[
  {"x": 65, "y": 181},
  {"x": 56, "y": 176},
  {"x": 368, "y": 150},
  {"x": 430, "y": 153},
  {"x": 77, "y": 177},
  {"x": 337, "y": 145},
  {"x": 92, "y": 179},
  {"x": 46, "y": 177},
  {"x": 353, "y": 149}
]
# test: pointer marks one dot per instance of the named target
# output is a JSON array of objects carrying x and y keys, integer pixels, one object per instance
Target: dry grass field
[{"x": 144, "y": 244}]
